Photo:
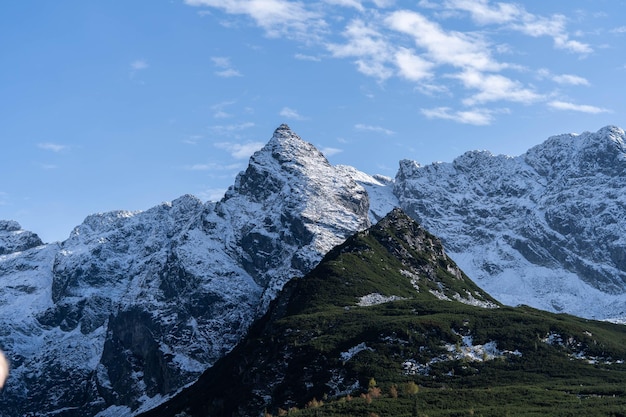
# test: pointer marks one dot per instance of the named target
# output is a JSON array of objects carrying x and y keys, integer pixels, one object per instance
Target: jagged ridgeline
[{"x": 388, "y": 325}]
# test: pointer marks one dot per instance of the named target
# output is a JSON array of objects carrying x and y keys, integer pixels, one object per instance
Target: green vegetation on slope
[{"x": 387, "y": 325}]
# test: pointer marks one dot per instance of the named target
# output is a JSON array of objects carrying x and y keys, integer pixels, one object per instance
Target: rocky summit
[
  {"x": 133, "y": 306},
  {"x": 543, "y": 228}
]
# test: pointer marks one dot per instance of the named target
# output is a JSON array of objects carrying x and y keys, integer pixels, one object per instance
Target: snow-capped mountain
[
  {"x": 544, "y": 228},
  {"x": 135, "y": 305}
]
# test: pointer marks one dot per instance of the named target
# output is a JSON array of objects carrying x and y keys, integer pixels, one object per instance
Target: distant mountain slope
[
  {"x": 389, "y": 307},
  {"x": 544, "y": 228},
  {"x": 134, "y": 305}
]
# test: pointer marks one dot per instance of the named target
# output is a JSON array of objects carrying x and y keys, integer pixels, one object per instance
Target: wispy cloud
[
  {"x": 139, "y": 65},
  {"x": 328, "y": 151},
  {"x": 240, "y": 150},
  {"x": 212, "y": 194},
  {"x": 495, "y": 87},
  {"x": 478, "y": 117},
  {"x": 356, "y": 4},
  {"x": 54, "y": 147},
  {"x": 458, "y": 49},
  {"x": 412, "y": 66},
  {"x": 225, "y": 68},
  {"x": 563, "y": 79},
  {"x": 304, "y": 57},
  {"x": 192, "y": 139},
  {"x": 290, "y": 113},
  {"x": 415, "y": 43},
  {"x": 211, "y": 167},
  {"x": 225, "y": 129},
  {"x": 515, "y": 17},
  {"x": 219, "y": 109},
  {"x": 373, "y": 52},
  {"x": 276, "y": 17},
  {"x": 376, "y": 129},
  {"x": 570, "y": 79},
  {"x": 583, "y": 108}
]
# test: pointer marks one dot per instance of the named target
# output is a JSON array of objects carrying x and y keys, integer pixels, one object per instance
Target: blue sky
[{"x": 116, "y": 104}]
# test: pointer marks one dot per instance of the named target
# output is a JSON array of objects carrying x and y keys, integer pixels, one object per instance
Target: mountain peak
[
  {"x": 14, "y": 239},
  {"x": 283, "y": 131}
]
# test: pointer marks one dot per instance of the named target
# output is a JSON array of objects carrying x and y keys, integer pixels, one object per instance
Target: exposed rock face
[
  {"x": 292, "y": 354},
  {"x": 14, "y": 239},
  {"x": 543, "y": 228},
  {"x": 133, "y": 306}
]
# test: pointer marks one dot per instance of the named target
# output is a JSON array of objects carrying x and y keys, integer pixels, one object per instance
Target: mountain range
[
  {"x": 387, "y": 324},
  {"x": 133, "y": 306}
]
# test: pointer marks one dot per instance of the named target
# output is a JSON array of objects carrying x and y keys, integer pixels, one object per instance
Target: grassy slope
[
  {"x": 296, "y": 350},
  {"x": 546, "y": 379}
]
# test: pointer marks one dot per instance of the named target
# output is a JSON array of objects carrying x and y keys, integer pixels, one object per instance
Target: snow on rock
[
  {"x": 133, "y": 306},
  {"x": 376, "y": 298},
  {"x": 353, "y": 351},
  {"x": 464, "y": 350},
  {"x": 543, "y": 229}
]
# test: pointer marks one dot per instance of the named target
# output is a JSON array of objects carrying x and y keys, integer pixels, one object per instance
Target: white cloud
[
  {"x": 461, "y": 50},
  {"x": 240, "y": 150},
  {"x": 376, "y": 129},
  {"x": 412, "y": 66},
  {"x": 417, "y": 47},
  {"x": 54, "y": 147},
  {"x": 583, "y": 108},
  {"x": 514, "y": 16},
  {"x": 483, "y": 14},
  {"x": 228, "y": 73},
  {"x": 226, "y": 70},
  {"x": 290, "y": 113},
  {"x": 328, "y": 151},
  {"x": 570, "y": 79},
  {"x": 370, "y": 47},
  {"x": 276, "y": 17},
  {"x": 554, "y": 27},
  {"x": 495, "y": 87},
  {"x": 478, "y": 117},
  {"x": 221, "y": 61},
  {"x": 304, "y": 57}
]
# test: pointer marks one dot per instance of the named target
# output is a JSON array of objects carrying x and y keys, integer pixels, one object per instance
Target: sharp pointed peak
[{"x": 285, "y": 132}]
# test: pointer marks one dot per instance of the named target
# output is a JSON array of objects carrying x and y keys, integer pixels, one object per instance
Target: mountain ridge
[
  {"x": 320, "y": 343},
  {"x": 184, "y": 279}
]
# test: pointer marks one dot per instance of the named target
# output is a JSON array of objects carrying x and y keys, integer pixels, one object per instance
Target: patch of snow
[
  {"x": 350, "y": 353},
  {"x": 376, "y": 298},
  {"x": 471, "y": 300}
]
